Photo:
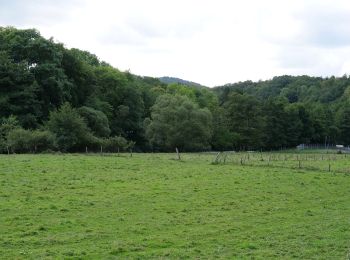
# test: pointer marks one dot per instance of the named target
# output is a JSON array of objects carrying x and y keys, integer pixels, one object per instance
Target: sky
[{"x": 209, "y": 42}]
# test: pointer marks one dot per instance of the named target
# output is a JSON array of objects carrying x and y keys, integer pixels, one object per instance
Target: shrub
[
  {"x": 69, "y": 127},
  {"x": 116, "y": 144},
  {"x": 21, "y": 140}
]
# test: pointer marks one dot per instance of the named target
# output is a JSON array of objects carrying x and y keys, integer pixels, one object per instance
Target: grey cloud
[
  {"x": 120, "y": 35},
  {"x": 328, "y": 28},
  {"x": 313, "y": 61},
  {"x": 34, "y": 13},
  {"x": 313, "y": 24},
  {"x": 138, "y": 31},
  {"x": 178, "y": 26},
  {"x": 297, "y": 57}
]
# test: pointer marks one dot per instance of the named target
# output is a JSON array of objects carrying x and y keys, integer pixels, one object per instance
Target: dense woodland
[{"x": 58, "y": 99}]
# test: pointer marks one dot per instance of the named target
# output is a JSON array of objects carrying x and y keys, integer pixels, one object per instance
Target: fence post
[
  {"x": 178, "y": 154},
  {"x": 217, "y": 158}
]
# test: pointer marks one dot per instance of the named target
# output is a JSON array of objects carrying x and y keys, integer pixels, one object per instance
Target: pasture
[{"x": 269, "y": 205}]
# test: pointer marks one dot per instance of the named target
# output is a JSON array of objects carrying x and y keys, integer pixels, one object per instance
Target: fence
[
  {"x": 324, "y": 147},
  {"x": 330, "y": 162}
]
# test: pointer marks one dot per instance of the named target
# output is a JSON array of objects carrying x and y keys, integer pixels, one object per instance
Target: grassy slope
[{"x": 150, "y": 206}]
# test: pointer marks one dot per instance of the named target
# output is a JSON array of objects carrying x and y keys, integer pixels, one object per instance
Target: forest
[{"x": 57, "y": 99}]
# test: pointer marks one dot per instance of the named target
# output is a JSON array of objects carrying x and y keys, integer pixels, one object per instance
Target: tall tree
[
  {"x": 178, "y": 122},
  {"x": 245, "y": 119}
]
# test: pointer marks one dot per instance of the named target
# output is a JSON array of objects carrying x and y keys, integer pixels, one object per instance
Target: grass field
[{"x": 152, "y": 206}]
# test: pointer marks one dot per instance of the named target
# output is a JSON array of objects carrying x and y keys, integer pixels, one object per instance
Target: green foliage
[
  {"x": 18, "y": 91},
  {"x": 96, "y": 120},
  {"x": 245, "y": 121},
  {"x": 343, "y": 123},
  {"x": 178, "y": 122},
  {"x": 222, "y": 138},
  {"x": 116, "y": 144},
  {"x": 7, "y": 125},
  {"x": 70, "y": 128},
  {"x": 21, "y": 140},
  {"x": 43, "y": 140},
  {"x": 38, "y": 75}
]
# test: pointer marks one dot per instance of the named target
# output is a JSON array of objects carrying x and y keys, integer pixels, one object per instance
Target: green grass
[
  {"x": 334, "y": 163},
  {"x": 151, "y": 206}
]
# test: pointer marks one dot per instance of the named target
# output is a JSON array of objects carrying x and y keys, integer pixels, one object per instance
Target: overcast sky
[{"x": 209, "y": 42}]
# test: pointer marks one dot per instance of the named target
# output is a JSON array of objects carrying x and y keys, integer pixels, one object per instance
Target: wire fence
[{"x": 332, "y": 162}]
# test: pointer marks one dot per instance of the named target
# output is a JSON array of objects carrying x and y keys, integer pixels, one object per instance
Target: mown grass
[{"x": 152, "y": 206}]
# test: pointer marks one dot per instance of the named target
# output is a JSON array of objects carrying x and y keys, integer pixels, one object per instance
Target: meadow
[{"x": 244, "y": 206}]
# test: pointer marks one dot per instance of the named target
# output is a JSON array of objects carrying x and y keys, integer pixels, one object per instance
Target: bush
[
  {"x": 42, "y": 140},
  {"x": 3, "y": 145},
  {"x": 20, "y": 140},
  {"x": 96, "y": 120},
  {"x": 116, "y": 144},
  {"x": 70, "y": 128}
]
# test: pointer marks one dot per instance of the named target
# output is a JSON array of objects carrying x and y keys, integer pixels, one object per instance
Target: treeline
[
  {"x": 54, "y": 98},
  {"x": 286, "y": 111}
]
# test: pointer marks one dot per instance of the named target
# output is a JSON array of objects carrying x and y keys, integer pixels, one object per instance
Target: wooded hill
[{"x": 54, "y": 98}]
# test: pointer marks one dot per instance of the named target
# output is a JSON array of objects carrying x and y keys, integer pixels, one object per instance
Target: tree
[
  {"x": 19, "y": 140},
  {"x": 35, "y": 69},
  {"x": 116, "y": 144},
  {"x": 96, "y": 120},
  {"x": 343, "y": 123},
  {"x": 19, "y": 92},
  {"x": 222, "y": 138},
  {"x": 245, "y": 121},
  {"x": 42, "y": 140},
  {"x": 7, "y": 125},
  {"x": 70, "y": 128},
  {"x": 178, "y": 122},
  {"x": 22, "y": 140},
  {"x": 276, "y": 123}
]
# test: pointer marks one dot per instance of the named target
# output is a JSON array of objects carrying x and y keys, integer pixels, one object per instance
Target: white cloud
[{"x": 211, "y": 42}]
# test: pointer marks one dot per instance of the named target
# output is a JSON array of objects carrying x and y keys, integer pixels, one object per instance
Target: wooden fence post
[
  {"x": 216, "y": 161},
  {"x": 178, "y": 154}
]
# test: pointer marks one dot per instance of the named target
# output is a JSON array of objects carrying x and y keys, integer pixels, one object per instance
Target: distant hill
[{"x": 170, "y": 80}]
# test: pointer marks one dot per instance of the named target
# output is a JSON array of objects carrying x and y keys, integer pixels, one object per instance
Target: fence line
[{"x": 335, "y": 163}]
